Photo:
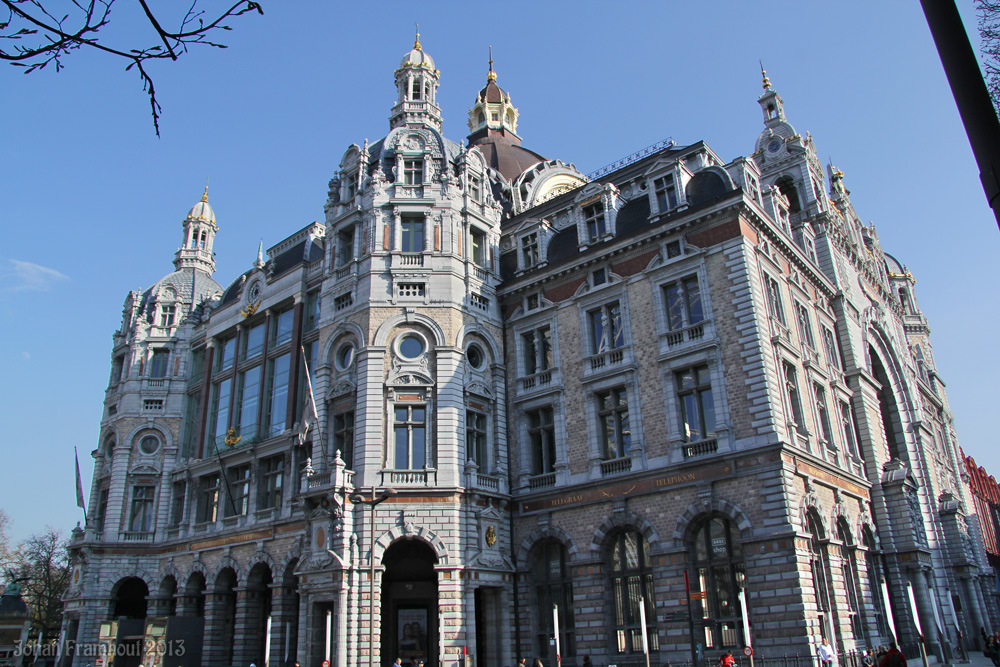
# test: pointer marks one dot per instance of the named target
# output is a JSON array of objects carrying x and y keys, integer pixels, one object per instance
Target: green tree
[{"x": 44, "y": 561}]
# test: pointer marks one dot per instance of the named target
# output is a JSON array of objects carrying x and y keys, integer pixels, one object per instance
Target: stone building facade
[{"x": 492, "y": 406}]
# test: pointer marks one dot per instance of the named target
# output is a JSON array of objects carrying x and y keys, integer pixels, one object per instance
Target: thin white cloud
[
  {"x": 26, "y": 355},
  {"x": 22, "y": 276}
]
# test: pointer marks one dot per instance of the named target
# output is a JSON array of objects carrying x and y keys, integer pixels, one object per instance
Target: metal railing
[{"x": 629, "y": 159}]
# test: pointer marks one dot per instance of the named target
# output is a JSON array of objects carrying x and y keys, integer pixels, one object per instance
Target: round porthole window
[
  {"x": 149, "y": 445},
  {"x": 475, "y": 356},
  {"x": 345, "y": 356},
  {"x": 411, "y": 346}
]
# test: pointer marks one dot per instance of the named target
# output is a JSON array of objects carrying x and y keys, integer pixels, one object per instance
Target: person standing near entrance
[
  {"x": 825, "y": 652},
  {"x": 397, "y": 662}
]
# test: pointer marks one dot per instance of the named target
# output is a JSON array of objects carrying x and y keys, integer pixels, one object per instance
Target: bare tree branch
[
  {"x": 32, "y": 37},
  {"x": 989, "y": 31}
]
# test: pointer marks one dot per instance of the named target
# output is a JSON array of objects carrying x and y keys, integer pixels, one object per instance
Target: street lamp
[{"x": 358, "y": 498}]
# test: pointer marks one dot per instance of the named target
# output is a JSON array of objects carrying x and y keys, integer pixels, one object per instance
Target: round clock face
[
  {"x": 254, "y": 293},
  {"x": 774, "y": 146}
]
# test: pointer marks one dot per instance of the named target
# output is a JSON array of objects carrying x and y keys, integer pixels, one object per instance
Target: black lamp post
[{"x": 358, "y": 498}]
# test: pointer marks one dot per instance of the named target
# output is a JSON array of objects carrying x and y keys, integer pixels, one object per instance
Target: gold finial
[
  {"x": 204, "y": 197},
  {"x": 416, "y": 42},
  {"x": 231, "y": 437},
  {"x": 492, "y": 76},
  {"x": 763, "y": 74}
]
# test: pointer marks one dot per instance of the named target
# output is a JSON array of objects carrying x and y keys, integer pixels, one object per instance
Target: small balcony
[
  {"x": 681, "y": 337},
  {"x": 542, "y": 481},
  {"x": 132, "y": 536},
  {"x": 616, "y": 466},
  {"x": 609, "y": 360},
  {"x": 535, "y": 382},
  {"x": 693, "y": 450},
  {"x": 426, "y": 477}
]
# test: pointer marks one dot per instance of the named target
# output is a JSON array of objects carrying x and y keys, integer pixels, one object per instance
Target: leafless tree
[
  {"x": 33, "y": 35},
  {"x": 43, "y": 560},
  {"x": 989, "y": 31}
]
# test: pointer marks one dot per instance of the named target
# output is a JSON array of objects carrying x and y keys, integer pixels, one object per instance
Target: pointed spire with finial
[
  {"x": 416, "y": 41},
  {"x": 204, "y": 196},
  {"x": 766, "y": 82},
  {"x": 259, "y": 262},
  {"x": 492, "y": 76}
]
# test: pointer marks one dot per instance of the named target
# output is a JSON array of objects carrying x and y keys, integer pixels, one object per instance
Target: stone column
[
  {"x": 922, "y": 594},
  {"x": 972, "y": 603},
  {"x": 283, "y": 614},
  {"x": 217, "y": 648},
  {"x": 248, "y": 645}
]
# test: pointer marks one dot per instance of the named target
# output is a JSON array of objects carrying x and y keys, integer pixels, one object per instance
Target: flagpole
[{"x": 310, "y": 406}]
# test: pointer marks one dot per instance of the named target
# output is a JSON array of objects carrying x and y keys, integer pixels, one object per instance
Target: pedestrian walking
[{"x": 825, "y": 652}]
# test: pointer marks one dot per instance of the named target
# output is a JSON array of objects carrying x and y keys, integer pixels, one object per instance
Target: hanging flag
[
  {"x": 309, "y": 410},
  {"x": 79, "y": 487}
]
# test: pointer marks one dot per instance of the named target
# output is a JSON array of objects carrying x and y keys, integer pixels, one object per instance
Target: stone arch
[
  {"x": 810, "y": 504},
  {"x": 169, "y": 570},
  {"x": 131, "y": 572},
  {"x": 548, "y": 532},
  {"x": 620, "y": 520},
  {"x": 336, "y": 336},
  {"x": 385, "y": 330},
  {"x": 409, "y": 531},
  {"x": 164, "y": 433},
  {"x": 260, "y": 556},
  {"x": 695, "y": 512},
  {"x": 293, "y": 554},
  {"x": 226, "y": 562},
  {"x": 475, "y": 329},
  {"x": 888, "y": 359},
  {"x": 197, "y": 567},
  {"x": 111, "y": 432}
]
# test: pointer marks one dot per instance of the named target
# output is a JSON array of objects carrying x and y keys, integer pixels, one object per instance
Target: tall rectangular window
[
  {"x": 475, "y": 434},
  {"x": 208, "y": 499},
  {"x": 281, "y": 327},
  {"x": 311, "y": 313},
  {"x": 478, "y": 242},
  {"x": 793, "y": 398},
  {"x": 177, "y": 503},
  {"x": 823, "y": 415},
  {"x": 593, "y": 215},
  {"x": 537, "y": 346},
  {"x": 694, "y": 392},
  {"x": 774, "y": 298},
  {"x": 117, "y": 369},
  {"x": 683, "y": 299},
  {"x": 606, "y": 331},
  {"x": 529, "y": 250},
  {"x": 410, "y": 436},
  {"x": 413, "y": 172},
  {"x": 612, "y": 413},
  {"x": 141, "y": 518},
  {"x": 272, "y": 471},
  {"x": 666, "y": 193},
  {"x": 851, "y": 442},
  {"x": 226, "y": 354},
  {"x": 542, "y": 434},
  {"x": 276, "y": 396},
  {"x": 345, "y": 246},
  {"x": 805, "y": 325},
  {"x": 832, "y": 351},
  {"x": 102, "y": 507},
  {"x": 218, "y": 421},
  {"x": 247, "y": 399},
  {"x": 161, "y": 359},
  {"x": 412, "y": 233},
  {"x": 239, "y": 490},
  {"x": 343, "y": 435},
  {"x": 253, "y": 341},
  {"x": 475, "y": 188}
]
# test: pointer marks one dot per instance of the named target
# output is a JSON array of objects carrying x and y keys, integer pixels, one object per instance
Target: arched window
[
  {"x": 819, "y": 567},
  {"x": 888, "y": 411},
  {"x": 632, "y": 582},
  {"x": 872, "y": 573},
  {"x": 553, "y": 587},
  {"x": 719, "y": 574},
  {"x": 850, "y": 566}
]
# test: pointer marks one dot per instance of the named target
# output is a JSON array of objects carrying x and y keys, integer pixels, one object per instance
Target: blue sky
[{"x": 91, "y": 202}]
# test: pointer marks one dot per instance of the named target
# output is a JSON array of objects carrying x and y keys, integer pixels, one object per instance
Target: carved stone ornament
[{"x": 491, "y": 536}]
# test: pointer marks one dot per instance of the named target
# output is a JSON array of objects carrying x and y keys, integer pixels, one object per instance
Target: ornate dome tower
[
  {"x": 199, "y": 235},
  {"x": 417, "y": 82}
]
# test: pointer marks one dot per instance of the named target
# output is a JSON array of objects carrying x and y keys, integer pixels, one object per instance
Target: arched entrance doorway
[
  {"x": 128, "y": 613},
  {"x": 409, "y": 603}
]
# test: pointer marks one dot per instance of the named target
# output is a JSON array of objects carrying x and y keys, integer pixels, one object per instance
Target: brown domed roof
[
  {"x": 491, "y": 94},
  {"x": 510, "y": 159}
]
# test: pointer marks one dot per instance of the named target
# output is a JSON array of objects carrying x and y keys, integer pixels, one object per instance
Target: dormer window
[
  {"x": 475, "y": 188},
  {"x": 167, "y": 314},
  {"x": 666, "y": 193},
  {"x": 413, "y": 172},
  {"x": 594, "y": 217},
  {"x": 529, "y": 250}
]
